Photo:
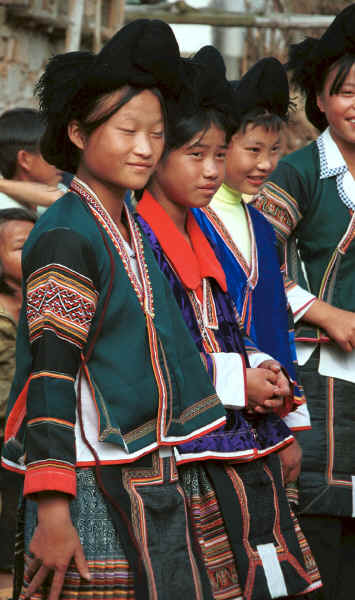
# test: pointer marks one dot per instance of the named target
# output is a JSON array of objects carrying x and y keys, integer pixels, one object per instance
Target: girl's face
[
  {"x": 252, "y": 155},
  {"x": 122, "y": 152},
  {"x": 189, "y": 176},
  {"x": 13, "y": 235},
  {"x": 339, "y": 108}
]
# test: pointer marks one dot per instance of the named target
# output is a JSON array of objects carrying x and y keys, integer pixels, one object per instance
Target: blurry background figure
[
  {"x": 15, "y": 226},
  {"x": 28, "y": 180}
]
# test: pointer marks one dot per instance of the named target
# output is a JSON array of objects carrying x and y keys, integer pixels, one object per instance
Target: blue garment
[{"x": 260, "y": 298}]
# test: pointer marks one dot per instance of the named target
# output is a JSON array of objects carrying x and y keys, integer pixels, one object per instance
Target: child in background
[
  {"x": 190, "y": 172},
  {"x": 15, "y": 226},
  {"x": 243, "y": 240},
  {"x": 28, "y": 180},
  {"x": 310, "y": 201}
]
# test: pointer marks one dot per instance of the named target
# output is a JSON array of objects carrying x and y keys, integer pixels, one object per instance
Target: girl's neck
[
  {"x": 176, "y": 212},
  {"x": 112, "y": 198}
]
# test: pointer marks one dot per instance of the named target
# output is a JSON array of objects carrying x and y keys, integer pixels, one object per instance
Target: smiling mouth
[
  {"x": 141, "y": 165},
  {"x": 206, "y": 188},
  {"x": 256, "y": 179}
]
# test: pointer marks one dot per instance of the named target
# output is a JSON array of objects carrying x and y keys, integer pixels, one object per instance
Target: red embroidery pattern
[{"x": 62, "y": 301}]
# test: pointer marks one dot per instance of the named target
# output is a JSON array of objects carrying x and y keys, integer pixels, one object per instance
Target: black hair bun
[
  {"x": 264, "y": 85},
  {"x": 144, "y": 53}
]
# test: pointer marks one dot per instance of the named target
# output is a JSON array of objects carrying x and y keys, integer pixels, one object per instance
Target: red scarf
[{"x": 192, "y": 264}]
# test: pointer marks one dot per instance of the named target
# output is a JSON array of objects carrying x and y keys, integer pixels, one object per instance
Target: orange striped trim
[
  {"x": 18, "y": 411},
  {"x": 51, "y": 420},
  {"x": 51, "y": 374}
]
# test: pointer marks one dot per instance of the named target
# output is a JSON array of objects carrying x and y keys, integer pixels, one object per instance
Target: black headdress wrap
[
  {"x": 264, "y": 86},
  {"x": 142, "y": 54},
  {"x": 206, "y": 87},
  {"x": 311, "y": 59}
]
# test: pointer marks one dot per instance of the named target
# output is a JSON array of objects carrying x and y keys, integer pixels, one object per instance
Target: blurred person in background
[
  {"x": 15, "y": 226},
  {"x": 28, "y": 180}
]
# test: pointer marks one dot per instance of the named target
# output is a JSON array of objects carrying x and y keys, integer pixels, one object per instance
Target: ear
[
  {"x": 24, "y": 160},
  {"x": 320, "y": 103},
  {"x": 76, "y": 135}
]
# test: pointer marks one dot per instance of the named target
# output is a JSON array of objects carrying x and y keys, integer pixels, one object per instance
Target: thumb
[
  {"x": 271, "y": 376},
  {"x": 81, "y": 563}
]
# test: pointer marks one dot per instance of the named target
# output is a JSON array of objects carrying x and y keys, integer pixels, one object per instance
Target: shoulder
[
  {"x": 66, "y": 225},
  {"x": 304, "y": 161},
  {"x": 262, "y": 222},
  {"x": 67, "y": 235}
]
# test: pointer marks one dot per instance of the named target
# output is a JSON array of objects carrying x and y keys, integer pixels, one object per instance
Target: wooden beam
[
  {"x": 31, "y": 18},
  {"x": 220, "y": 18}
]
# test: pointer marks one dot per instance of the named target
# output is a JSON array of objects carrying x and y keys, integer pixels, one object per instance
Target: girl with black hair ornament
[
  {"x": 242, "y": 238},
  {"x": 310, "y": 200},
  {"x": 107, "y": 379},
  {"x": 240, "y": 513}
]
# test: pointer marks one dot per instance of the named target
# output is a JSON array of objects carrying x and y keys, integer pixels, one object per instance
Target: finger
[
  {"x": 57, "y": 584},
  {"x": 275, "y": 367},
  {"x": 262, "y": 409},
  {"x": 345, "y": 345},
  {"x": 32, "y": 566},
  {"x": 271, "y": 376},
  {"x": 274, "y": 402},
  {"x": 284, "y": 389},
  {"x": 81, "y": 563},
  {"x": 37, "y": 581}
]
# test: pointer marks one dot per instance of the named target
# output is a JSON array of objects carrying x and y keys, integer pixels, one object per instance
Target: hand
[
  {"x": 263, "y": 391},
  {"x": 54, "y": 543},
  {"x": 291, "y": 460},
  {"x": 282, "y": 381},
  {"x": 339, "y": 324}
]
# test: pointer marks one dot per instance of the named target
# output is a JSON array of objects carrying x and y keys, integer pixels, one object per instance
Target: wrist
[{"x": 53, "y": 505}]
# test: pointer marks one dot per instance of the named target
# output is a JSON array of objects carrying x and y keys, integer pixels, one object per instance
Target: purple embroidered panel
[{"x": 242, "y": 431}]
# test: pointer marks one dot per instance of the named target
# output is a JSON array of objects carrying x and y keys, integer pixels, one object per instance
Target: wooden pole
[
  {"x": 116, "y": 14},
  {"x": 73, "y": 30},
  {"x": 97, "y": 30}
]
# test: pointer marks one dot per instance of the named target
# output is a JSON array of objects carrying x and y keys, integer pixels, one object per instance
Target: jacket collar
[{"x": 191, "y": 263}]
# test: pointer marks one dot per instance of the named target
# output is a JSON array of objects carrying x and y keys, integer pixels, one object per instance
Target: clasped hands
[{"x": 267, "y": 387}]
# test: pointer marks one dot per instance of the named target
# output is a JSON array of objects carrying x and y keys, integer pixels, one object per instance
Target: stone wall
[{"x": 23, "y": 54}]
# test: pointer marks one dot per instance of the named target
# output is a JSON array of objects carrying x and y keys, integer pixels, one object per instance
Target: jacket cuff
[{"x": 50, "y": 476}]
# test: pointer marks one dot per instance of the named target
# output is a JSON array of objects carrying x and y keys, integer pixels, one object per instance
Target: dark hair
[
  {"x": 67, "y": 156},
  {"x": 20, "y": 129},
  {"x": 342, "y": 66},
  {"x": 184, "y": 129},
  {"x": 7, "y": 215},
  {"x": 261, "y": 117}
]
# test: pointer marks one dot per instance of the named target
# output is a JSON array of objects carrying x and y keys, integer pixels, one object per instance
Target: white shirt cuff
[
  {"x": 256, "y": 358},
  {"x": 230, "y": 379},
  {"x": 299, "y": 418},
  {"x": 300, "y": 300}
]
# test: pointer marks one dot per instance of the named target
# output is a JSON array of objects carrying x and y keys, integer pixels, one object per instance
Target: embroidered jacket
[
  {"x": 311, "y": 207},
  {"x": 125, "y": 336},
  {"x": 258, "y": 292},
  {"x": 199, "y": 286},
  {"x": 309, "y": 199}
]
